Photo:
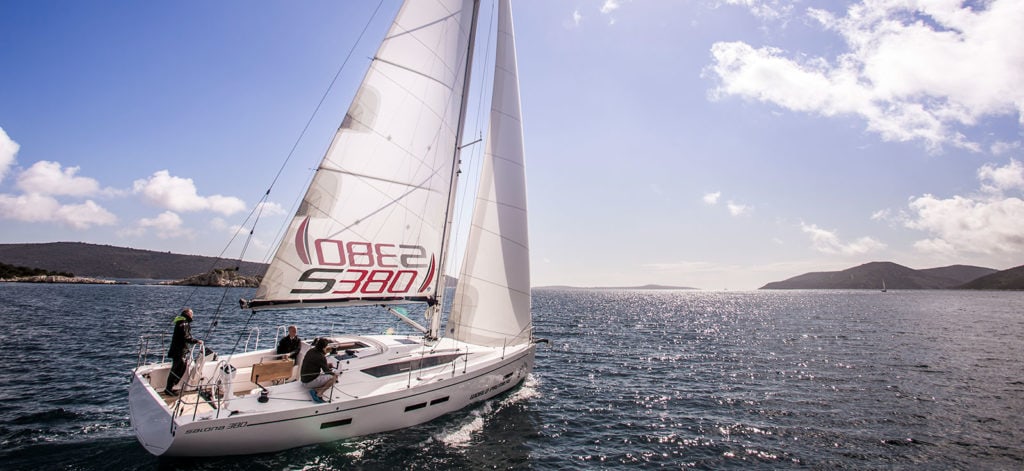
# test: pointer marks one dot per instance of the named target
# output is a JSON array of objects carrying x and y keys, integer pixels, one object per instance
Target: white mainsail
[
  {"x": 370, "y": 227},
  {"x": 491, "y": 305}
]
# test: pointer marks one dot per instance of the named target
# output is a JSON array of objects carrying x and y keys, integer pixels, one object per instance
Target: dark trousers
[{"x": 177, "y": 371}]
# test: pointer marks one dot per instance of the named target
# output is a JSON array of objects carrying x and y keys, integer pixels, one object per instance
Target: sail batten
[{"x": 372, "y": 221}]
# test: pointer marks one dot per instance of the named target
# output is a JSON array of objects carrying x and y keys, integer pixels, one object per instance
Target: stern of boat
[{"x": 150, "y": 417}]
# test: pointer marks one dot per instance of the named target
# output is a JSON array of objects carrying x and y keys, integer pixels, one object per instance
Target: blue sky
[{"x": 719, "y": 144}]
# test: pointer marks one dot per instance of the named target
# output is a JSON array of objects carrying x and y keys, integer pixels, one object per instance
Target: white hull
[{"x": 361, "y": 403}]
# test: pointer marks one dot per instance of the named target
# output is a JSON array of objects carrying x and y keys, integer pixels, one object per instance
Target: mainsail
[
  {"x": 370, "y": 228},
  {"x": 491, "y": 305}
]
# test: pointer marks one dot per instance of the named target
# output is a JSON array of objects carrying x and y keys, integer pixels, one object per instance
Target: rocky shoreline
[
  {"x": 61, "y": 279},
  {"x": 218, "y": 277}
]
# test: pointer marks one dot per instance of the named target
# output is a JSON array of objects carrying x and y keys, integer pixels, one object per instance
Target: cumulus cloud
[
  {"x": 1002, "y": 147},
  {"x": 577, "y": 18},
  {"x": 712, "y": 198},
  {"x": 48, "y": 178},
  {"x": 737, "y": 209},
  {"x": 8, "y": 150},
  {"x": 33, "y": 207},
  {"x": 914, "y": 71},
  {"x": 828, "y": 242},
  {"x": 256, "y": 244},
  {"x": 609, "y": 7},
  {"x": 270, "y": 208},
  {"x": 989, "y": 222},
  {"x": 180, "y": 194},
  {"x": 767, "y": 9},
  {"x": 998, "y": 180},
  {"x": 167, "y": 225}
]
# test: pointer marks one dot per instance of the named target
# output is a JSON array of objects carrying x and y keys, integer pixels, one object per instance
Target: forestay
[{"x": 370, "y": 228}]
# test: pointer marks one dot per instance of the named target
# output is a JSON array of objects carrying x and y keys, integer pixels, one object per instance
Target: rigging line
[
  {"x": 324, "y": 96},
  {"x": 280, "y": 170}
]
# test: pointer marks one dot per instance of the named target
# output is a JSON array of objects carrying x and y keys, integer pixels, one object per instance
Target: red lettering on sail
[{"x": 365, "y": 268}]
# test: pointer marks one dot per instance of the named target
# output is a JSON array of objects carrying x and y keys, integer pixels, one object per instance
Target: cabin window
[
  {"x": 416, "y": 406},
  {"x": 409, "y": 365},
  {"x": 335, "y": 423}
]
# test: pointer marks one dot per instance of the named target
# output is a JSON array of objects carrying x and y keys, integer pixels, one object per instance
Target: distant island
[
  {"x": 219, "y": 277},
  {"x": 106, "y": 261},
  {"x": 876, "y": 275}
]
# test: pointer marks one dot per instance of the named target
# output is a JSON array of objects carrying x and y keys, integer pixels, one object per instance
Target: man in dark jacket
[
  {"x": 317, "y": 374},
  {"x": 178, "y": 352},
  {"x": 290, "y": 344}
]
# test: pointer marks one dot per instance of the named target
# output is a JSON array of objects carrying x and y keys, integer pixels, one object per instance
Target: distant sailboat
[
  {"x": 883, "y": 286},
  {"x": 374, "y": 228}
]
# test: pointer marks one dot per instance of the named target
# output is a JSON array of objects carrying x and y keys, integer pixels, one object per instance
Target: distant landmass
[
  {"x": 106, "y": 261},
  {"x": 1006, "y": 279},
  {"x": 895, "y": 276}
]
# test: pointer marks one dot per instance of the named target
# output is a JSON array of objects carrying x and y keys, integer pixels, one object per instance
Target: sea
[{"x": 630, "y": 379}]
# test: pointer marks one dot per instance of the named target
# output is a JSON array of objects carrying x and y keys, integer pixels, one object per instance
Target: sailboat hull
[{"x": 291, "y": 419}]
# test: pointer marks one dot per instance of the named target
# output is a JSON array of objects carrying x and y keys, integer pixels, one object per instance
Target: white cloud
[
  {"x": 255, "y": 244},
  {"x": 766, "y": 9},
  {"x": 577, "y": 18},
  {"x": 1001, "y": 147},
  {"x": 989, "y": 222},
  {"x": 712, "y": 198},
  {"x": 1001, "y": 179},
  {"x": 826, "y": 241},
  {"x": 34, "y": 207},
  {"x": 609, "y": 7},
  {"x": 167, "y": 225},
  {"x": 84, "y": 215},
  {"x": 737, "y": 209},
  {"x": 8, "y": 150},
  {"x": 270, "y": 208},
  {"x": 47, "y": 178},
  {"x": 179, "y": 194},
  {"x": 914, "y": 71},
  {"x": 973, "y": 225}
]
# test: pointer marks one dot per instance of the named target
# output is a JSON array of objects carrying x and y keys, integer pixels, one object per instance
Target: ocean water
[{"x": 630, "y": 380}]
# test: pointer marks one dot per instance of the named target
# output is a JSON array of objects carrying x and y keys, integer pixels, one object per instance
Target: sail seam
[{"x": 477, "y": 278}]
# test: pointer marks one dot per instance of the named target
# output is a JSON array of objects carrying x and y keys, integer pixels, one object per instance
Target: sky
[{"x": 715, "y": 144}]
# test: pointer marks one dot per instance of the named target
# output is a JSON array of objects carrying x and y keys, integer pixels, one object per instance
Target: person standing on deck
[{"x": 178, "y": 352}]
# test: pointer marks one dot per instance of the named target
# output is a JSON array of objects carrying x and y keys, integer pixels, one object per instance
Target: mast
[
  {"x": 373, "y": 223},
  {"x": 436, "y": 305}
]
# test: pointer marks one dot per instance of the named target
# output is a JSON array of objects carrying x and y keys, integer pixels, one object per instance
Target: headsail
[
  {"x": 491, "y": 305},
  {"x": 369, "y": 229}
]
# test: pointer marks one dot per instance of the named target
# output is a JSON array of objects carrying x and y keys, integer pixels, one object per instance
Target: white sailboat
[{"x": 374, "y": 228}]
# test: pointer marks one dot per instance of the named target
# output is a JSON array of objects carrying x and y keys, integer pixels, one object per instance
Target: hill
[
  {"x": 106, "y": 261},
  {"x": 871, "y": 275},
  {"x": 1006, "y": 279}
]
